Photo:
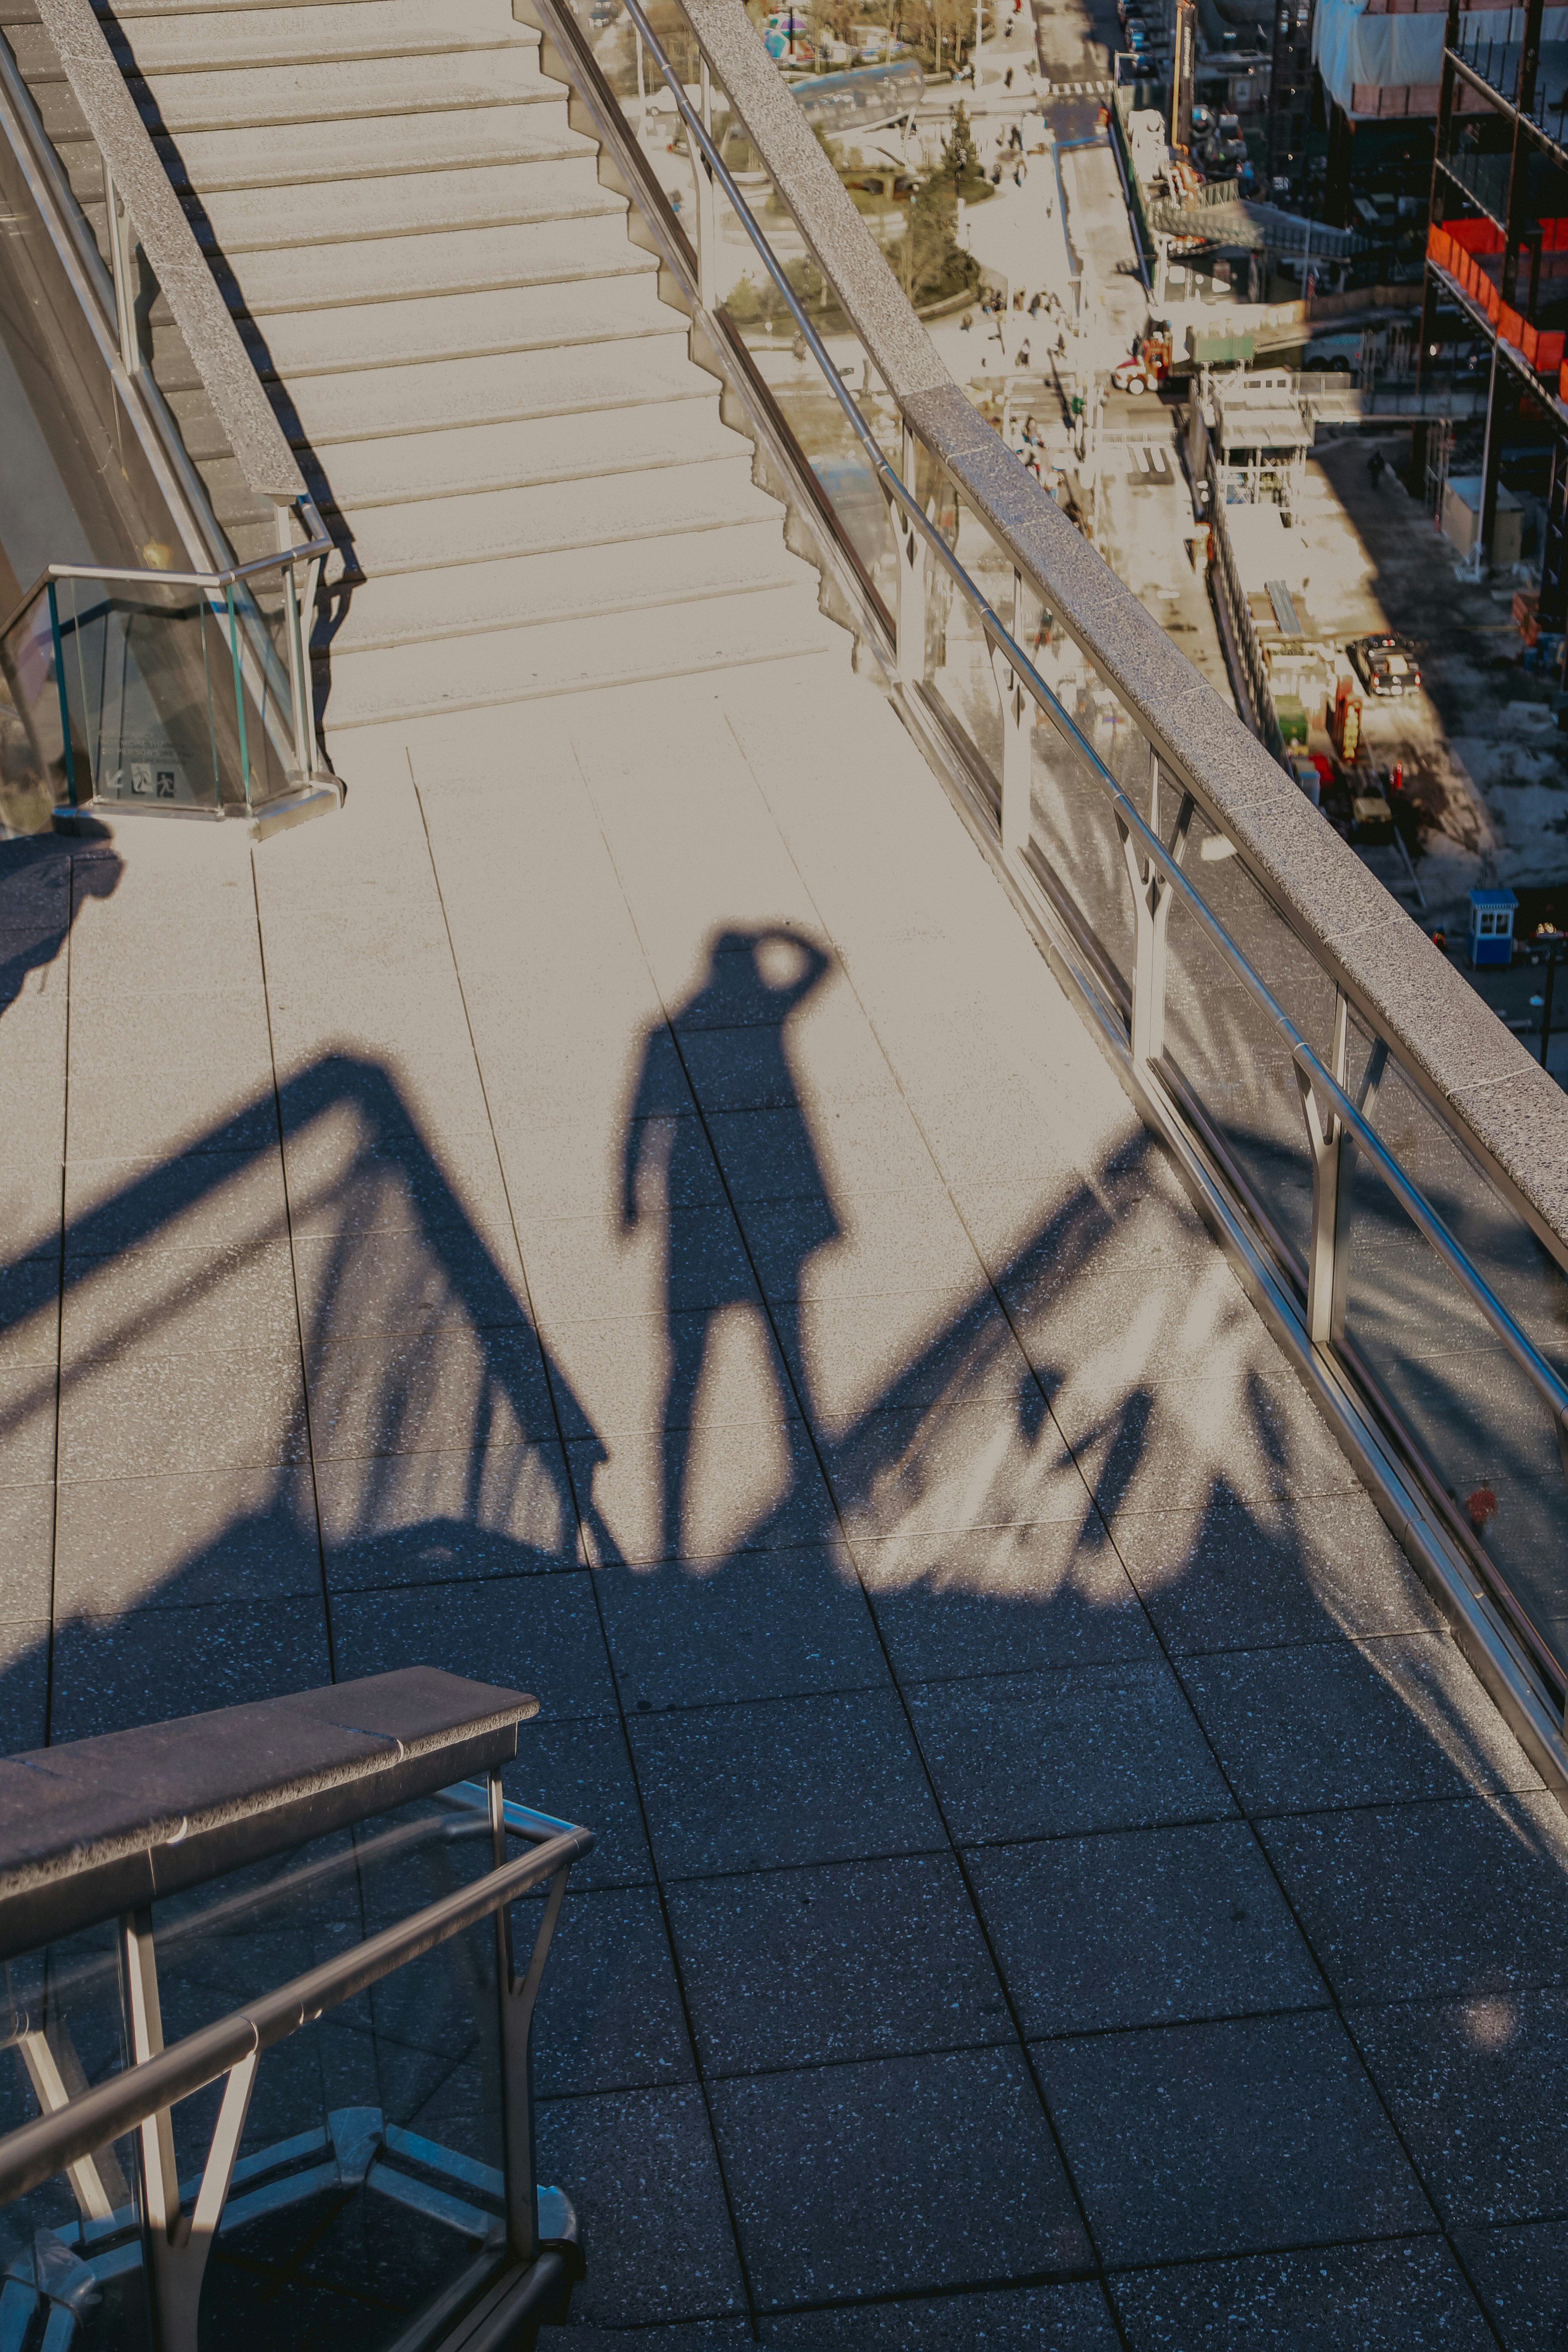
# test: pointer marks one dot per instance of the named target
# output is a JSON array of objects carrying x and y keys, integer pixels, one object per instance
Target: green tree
[
  {"x": 928, "y": 260},
  {"x": 959, "y": 167}
]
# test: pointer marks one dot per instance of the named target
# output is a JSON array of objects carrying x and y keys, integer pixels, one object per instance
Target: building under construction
[{"x": 1496, "y": 292}]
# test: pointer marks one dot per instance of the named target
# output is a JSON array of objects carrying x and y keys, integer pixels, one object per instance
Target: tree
[
  {"x": 959, "y": 167},
  {"x": 928, "y": 260}
]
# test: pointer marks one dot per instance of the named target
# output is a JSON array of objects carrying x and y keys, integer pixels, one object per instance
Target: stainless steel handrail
[
  {"x": 37, "y": 2151},
  {"x": 1553, "y": 1392}
]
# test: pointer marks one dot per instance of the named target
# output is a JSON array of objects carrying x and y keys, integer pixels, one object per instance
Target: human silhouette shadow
[
  {"x": 40, "y": 897},
  {"x": 756, "y": 981}
]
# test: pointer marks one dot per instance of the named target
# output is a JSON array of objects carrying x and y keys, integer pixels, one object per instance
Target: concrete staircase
[{"x": 527, "y": 471}]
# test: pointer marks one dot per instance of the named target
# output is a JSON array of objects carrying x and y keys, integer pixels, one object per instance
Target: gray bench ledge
[
  {"x": 227, "y": 374},
  {"x": 1514, "y": 1114},
  {"x": 95, "y": 1827}
]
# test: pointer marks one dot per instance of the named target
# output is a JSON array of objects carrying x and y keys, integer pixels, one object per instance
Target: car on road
[{"x": 1385, "y": 665}]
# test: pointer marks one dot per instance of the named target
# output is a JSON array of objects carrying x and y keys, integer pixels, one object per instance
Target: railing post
[
  {"x": 516, "y": 1997},
  {"x": 1017, "y": 725},
  {"x": 910, "y": 620},
  {"x": 120, "y": 257},
  {"x": 1151, "y": 921},
  {"x": 1326, "y": 1141},
  {"x": 296, "y": 631},
  {"x": 706, "y": 206}
]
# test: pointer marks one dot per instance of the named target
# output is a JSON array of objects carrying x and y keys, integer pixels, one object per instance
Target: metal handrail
[
  {"x": 1552, "y": 1390},
  {"x": 311, "y": 550},
  {"x": 37, "y": 2151}
]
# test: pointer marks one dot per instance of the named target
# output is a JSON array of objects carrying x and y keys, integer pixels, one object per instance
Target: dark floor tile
[
  {"x": 610, "y": 2010},
  {"x": 538, "y": 1633},
  {"x": 765, "y": 1625},
  {"x": 859, "y": 1959},
  {"x": 684, "y": 2336},
  {"x": 1149, "y": 1928},
  {"x": 165, "y": 1543},
  {"x": 1388, "y": 2298},
  {"x": 1226, "y": 1578},
  {"x": 1477, "y": 2087},
  {"x": 1016, "y": 1756},
  {"x": 908, "y": 2174},
  {"x": 1521, "y": 2276},
  {"x": 581, "y": 1772},
  {"x": 640, "y": 2169},
  {"x": 111, "y": 1672},
  {"x": 1417, "y": 1902},
  {"x": 1004, "y": 1600},
  {"x": 791, "y": 1780},
  {"x": 1337, "y": 1725},
  {"x": 1226, "y": 2139},
  {"x": 1070, "y": 2318},
  {"x": 24, "y": 1686},
  {"x": 28, "y": 1573}
]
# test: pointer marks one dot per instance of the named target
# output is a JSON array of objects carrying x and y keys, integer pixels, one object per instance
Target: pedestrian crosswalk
[{"x": 1077, "y": 90}]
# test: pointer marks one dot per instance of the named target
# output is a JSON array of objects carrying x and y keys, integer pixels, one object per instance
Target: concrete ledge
[{"x": 1473, "y": 1070}]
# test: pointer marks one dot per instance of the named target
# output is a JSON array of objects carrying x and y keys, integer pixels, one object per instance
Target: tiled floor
[{"x": 624, "y": 1212}]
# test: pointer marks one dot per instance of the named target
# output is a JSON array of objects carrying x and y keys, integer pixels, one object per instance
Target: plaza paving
[{"x": 625, "y": 1211}]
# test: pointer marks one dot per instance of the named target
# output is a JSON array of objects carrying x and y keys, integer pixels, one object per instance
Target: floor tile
[
  {"x": 150, "y": 1664},
  {"x": 581, "y": 1772},
  {"x": 399, "y": 1279},
  {"x": 1228, "y": 1577},
  {"x": 1228, "y": 2139},
  {"x": 1150, "y": 1928},
  {"x": 538, "y": 1633},
  {"x": 639, "y": 2168},
  {"x": 1001, "y": 1600},
  {"x": 1048, "y": 1755},
  {"x": 1341, "y": 1725},
  {"x": 125, "y": 1543},
  {"x": 1419, "y": 1902},
  {"x": 1477, "y": 2087},
  {"x": 794, "y": 1780},
  {"x": 902, "y": 1352},
  {"x": 878, "y": 1244},
  {"x": 767, "y": 1625},
  {"x": 1519, "y": 2274},
  {"x": 582, "y": 1269},
  {"x": 142, "y": 1416},
  {"x": 435, "y": 1391},
  {"x": 859, "y": 1959},
  {"x": 1072, "y": 2318},
  {"x": 25, "y": 1686},
  {"x": 29, "y": 1311},
  {"x": 609, "y": 2015},
  {"x": 701, "y": 1494},
  {"x": 846, "y": 2179},
  {"x": 440, "y": 1518},
  {"x": 961, "y": 1464},
  {"x": 26, "y": 1552},
  {"x": 1383, "y": 2298},
  {"x": 776, "y": 1155},
  {"x": 616, "y": 1377}
]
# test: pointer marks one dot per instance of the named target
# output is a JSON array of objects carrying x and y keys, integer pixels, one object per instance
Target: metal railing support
[
  {"x": 910, "y": 613},
  {"x": 1325, "y": 1139},
  {"x": 1151, "y": 920},
  {"x": 707, "y": 204},
  {"x": 1017, "y": 732},
  {"x": 121, "y": 263}
]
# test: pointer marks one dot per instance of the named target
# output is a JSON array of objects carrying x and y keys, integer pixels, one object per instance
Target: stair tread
[
  {"x": 523, "y": 590},
  {"x": 563, "y": 179},
  {"x": 601, "y": 510},
  {"x": 258, "y": 95},
  {"x": 397, "y": 472},
  {"x": 284, "y": 154},
  {"x": 393, "y": 269},
  {"x": 183, "y": 40},
  {"x": 444, "y": 395},
  {"x": 577, "y": 656},
  {"x": 463, "y": 325}
]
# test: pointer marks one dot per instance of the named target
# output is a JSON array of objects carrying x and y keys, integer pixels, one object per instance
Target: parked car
[{"x": 1385, "y": 665}]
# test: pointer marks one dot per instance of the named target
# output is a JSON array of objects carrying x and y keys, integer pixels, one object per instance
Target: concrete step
[
  {"x": 196, "y": 40},
  {"x": 609, "y": 308},
  {"x": 602, "y": 511},
  {"x": 577, "y": 657},
  {"x": 344, "y": 92},
  {"x": 536, "y": 591},
  {"x": 283, "y": 156},
  {"x": 560, "y": 183},
  {"x": 449, "y": 395},
  {"x": 402, "y": 472},
  {"x": 403, "y": 268}
]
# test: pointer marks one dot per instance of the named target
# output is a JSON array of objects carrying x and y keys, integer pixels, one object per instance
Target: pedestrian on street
[
  {"x": 1035, "y": 307},
  {"x": 1007, "y": 79},
  {"x": 966, "y": 323},
  {"x": 1023, "y": 360}
]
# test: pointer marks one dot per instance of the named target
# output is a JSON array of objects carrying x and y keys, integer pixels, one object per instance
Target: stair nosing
[
  {"x": 600, "y": 609},
  {"x": 673, "y": 398}
]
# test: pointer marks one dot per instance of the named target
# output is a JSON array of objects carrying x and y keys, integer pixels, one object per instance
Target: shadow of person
[
  {"x": 756, "y": 981},
  {"x": 42, "y": 888}
]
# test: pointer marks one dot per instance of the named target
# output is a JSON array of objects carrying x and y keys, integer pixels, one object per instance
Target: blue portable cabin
[{"x": 1491, "y": 925}]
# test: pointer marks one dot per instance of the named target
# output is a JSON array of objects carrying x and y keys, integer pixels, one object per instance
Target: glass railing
[
  {"x": 292, "y": 2102},
  {"x": 1415, "y": 1276},
  {"x": 161, "y": 690}
]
